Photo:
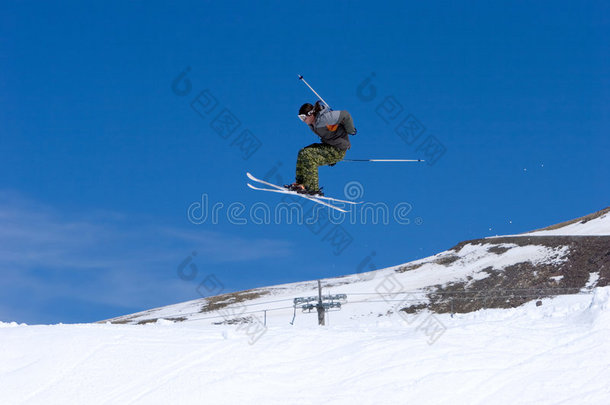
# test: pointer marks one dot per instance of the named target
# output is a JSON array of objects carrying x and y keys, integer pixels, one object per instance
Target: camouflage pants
[{"x": 312, "y": 156}]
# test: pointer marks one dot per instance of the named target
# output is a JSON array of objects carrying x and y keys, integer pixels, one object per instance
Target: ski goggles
[{"x": 303, "y": 116}]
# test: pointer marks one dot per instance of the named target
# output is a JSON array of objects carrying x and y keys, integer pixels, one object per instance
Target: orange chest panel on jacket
[{"x": 332, "y": 127}]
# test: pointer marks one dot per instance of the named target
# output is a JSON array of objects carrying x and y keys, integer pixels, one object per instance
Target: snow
[
  {"x": 596, "y": 226},
  {"x": 515, "y": 254},
  {"x": 593, "y": 278},
  {"x": 553, "y": 353}
]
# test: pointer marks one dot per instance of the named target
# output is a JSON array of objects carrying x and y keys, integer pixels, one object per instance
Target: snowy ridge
[
  {"x": 554, "y": 251},
  {"x": 561, "y": 257},
  {"x": 385, "y": 291},
  {"x": 595, "y": 224}
]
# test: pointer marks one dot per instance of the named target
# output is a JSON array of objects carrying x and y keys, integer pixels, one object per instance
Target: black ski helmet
[
  {"x": 306, "y": 109},
  {"x": 309, "y": 109}
]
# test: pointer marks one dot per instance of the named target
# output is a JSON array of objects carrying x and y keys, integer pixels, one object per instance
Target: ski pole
[
  {"x": 311, "y": 88},
  {"x": 383, "y": 160}
]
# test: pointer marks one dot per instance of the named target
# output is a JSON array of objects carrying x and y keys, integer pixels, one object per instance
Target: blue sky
[{"x": 104, "y": 148}]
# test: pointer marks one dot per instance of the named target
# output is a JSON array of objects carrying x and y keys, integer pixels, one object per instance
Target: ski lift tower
[{"x": 321, "y": 303}]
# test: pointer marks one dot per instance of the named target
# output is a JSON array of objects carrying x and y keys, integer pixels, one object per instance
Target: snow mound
[{"x": 11, "y": 324}]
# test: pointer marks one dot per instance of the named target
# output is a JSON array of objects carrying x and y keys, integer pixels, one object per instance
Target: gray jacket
[{"x": 333, "y": 127}]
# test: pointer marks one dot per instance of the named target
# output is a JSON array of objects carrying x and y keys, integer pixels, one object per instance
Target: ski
[
  {"x": 251, "y": 177},
  {"x": 322, "y": 200},
  {"x": 309, "y": 197}
]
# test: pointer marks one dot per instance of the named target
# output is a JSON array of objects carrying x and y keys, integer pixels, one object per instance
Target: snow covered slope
[
  {"x": 549, "y": 354},
  {"x": 499, "y": 272}
]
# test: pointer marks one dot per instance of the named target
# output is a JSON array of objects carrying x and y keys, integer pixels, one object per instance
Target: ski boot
[{"x": 299, "y": 188}]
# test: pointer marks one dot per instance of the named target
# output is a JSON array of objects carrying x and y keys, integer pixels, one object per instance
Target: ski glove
[{"x": 355, "y": 132}]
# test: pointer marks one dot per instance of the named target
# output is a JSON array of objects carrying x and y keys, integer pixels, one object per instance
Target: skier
[{"x": 333, "y": 128}]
